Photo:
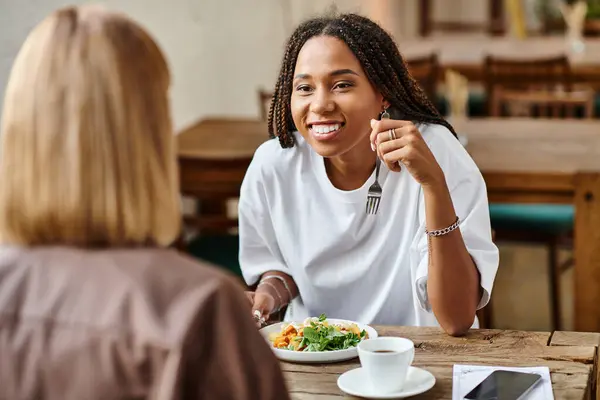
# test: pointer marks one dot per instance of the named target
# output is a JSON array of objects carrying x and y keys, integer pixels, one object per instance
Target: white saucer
[{"x": 355, "y": 383}]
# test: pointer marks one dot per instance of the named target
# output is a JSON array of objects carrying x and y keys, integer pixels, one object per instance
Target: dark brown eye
[
  {"x": 343, "y": 85},
  {"x": 303, "y": 88}
]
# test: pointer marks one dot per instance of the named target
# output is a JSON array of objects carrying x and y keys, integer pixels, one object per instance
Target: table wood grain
[
  {"x": 581, "y": 339},
  {"x": 222, "y": 139},
  {"x": 527, "y": 145},
  {"x": 572, "y": 368}
]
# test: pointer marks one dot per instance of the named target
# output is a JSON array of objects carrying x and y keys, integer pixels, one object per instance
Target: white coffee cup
[{"x": 385, "y": 361}]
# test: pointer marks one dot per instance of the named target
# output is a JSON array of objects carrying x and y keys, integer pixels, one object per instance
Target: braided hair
[{"x": 380, "y": 59}]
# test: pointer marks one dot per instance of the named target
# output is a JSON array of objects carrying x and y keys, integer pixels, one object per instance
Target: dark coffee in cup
[{"x": 386, "y": 361}]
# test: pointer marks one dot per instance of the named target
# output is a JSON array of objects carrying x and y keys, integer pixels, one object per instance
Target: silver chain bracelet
[
  {"x": 445, "y": 231},
  {"x": 282, "y": 280},
  {"x": 264, "y": 282}
]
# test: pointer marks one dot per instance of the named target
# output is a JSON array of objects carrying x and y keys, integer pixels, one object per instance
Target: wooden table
[
  {"x": 528, "y": 160},
  {"x": 466, "y": 53},
  {"x": 571, "y": 357}
]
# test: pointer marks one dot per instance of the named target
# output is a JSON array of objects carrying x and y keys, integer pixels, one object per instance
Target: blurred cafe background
[{"x": 519, "y": 80}]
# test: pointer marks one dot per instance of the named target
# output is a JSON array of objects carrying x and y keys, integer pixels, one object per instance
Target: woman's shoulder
[
  {"x": 160, "y": 284},
  {"x": 271, "y": 154},
  {"x": 121, "y": 265},
  {"x": 180, "y": 270},
  {"x": 448, "y": 151},
  {"x": 270, "y": 161},
  {"x": 182, "y": 288}
]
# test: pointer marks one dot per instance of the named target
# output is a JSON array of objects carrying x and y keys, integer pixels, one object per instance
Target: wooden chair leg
[
  {"x": 485, "y": 316},
  {"x": 554, "y": 276}
]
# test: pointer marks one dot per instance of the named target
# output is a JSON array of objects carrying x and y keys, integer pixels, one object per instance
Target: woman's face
[{"x": 332, "y": 100}]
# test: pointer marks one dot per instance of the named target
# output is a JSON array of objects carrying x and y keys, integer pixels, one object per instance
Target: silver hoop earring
[{"x": 384, "y": 114}]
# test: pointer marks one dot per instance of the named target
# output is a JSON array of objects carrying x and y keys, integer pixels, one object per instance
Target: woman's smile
[{"x": 326, "y": 130}]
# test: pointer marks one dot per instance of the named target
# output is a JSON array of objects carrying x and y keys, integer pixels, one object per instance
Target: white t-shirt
[{"x": 347, "y": 264}]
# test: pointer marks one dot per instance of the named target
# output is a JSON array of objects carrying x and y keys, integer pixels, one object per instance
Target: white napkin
[
  {"x": 574, "y": 17},
  {"x": 457, "y": 93},
  {"x": 466, "y": 377}
]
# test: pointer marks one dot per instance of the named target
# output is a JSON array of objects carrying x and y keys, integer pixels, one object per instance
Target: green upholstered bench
[
  {"x": 221, "y": 250},
  {"x": 549, "y": 224},
  {"x": 476, "y": 105},
  {"x": 548, "y": 218}
]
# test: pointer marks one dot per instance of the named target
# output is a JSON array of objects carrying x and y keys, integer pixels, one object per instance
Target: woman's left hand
[{"x": 400, "y": 141}]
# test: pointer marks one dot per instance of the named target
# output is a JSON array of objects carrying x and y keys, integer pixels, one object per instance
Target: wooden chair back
[
  {"x": 495, "y": 25},
  {"x": 547, "y": 74},
  {"x": 543, "y": 104}
]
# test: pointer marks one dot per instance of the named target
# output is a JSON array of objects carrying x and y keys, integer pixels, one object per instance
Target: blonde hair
[{"x": 88, "y": 152}]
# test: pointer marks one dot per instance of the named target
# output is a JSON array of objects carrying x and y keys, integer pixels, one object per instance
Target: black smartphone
[{"x": 504, "y": 385}]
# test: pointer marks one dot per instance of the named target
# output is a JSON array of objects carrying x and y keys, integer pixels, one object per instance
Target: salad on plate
[{"x": 317, "y": 335}]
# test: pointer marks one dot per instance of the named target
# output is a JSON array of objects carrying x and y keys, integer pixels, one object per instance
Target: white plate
[
  {"x": 316, "y": 356},
  {"x": 354, "y": 382}
]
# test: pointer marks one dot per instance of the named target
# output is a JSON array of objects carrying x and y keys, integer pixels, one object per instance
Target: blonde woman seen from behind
[{"x": 93, "y": 303}]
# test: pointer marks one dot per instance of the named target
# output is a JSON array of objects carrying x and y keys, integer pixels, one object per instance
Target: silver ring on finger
[{"x": 392, "y": 134}]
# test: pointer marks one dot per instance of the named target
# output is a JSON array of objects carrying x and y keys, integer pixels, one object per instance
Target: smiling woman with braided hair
[{"x": 345, "y": 100}]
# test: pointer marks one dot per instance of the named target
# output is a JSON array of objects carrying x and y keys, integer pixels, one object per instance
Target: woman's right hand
[{"x": 263, "y": 303}]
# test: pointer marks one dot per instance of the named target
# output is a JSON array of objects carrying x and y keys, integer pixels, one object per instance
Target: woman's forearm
[
  {"x": 283, "y": 293},
  {"x": 453, "y": 279}
]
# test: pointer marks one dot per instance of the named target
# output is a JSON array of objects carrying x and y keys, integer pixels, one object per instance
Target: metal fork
[{"x": 374, "y": 195}]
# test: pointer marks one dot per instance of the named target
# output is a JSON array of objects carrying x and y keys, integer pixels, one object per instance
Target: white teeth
[{"x": 322, "y": 129}]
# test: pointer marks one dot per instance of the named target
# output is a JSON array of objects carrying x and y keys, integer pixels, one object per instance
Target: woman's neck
[{"x": 351, "y": 170}]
